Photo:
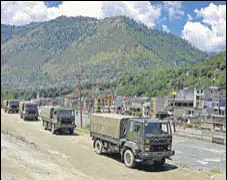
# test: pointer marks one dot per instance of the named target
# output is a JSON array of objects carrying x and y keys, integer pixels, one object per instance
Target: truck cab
[
  {"x": 150, "y": 140},
  {"x": 28, "y": 110}
]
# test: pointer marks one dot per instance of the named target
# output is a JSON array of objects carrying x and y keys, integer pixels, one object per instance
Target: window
[
  {"x": 131, "y": 126},
  {"x": 137, "y": 128},
  {"x": 156, "y": 129}
]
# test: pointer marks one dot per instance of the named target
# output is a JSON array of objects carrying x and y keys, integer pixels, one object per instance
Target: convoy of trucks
[{"x": 136, "y": 139}]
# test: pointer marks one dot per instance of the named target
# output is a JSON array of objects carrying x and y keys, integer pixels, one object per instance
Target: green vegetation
[
  {"x": 182, "y": 165},
  {"x": 215, "y": 171},
  {"x": 209, "y": 72},
  {"x": 6, "y": 95},
  {"x": 50, "y": 54}
]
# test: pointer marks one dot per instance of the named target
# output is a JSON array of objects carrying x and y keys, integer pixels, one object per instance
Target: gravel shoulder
[{"x": 29, "y": 152}]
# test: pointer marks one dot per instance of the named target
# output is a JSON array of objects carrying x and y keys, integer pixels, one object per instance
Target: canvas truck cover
[
  {"x": 112, "y": 125},
  {"x": 46, "y": 111}
]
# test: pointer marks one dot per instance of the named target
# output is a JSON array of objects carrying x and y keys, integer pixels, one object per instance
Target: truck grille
[
  {"x": 14, "y": 107},
  {"x": 159, "y": 148},
  {"x": 66, "y": 121},
  {"x": 32, "y": 112}
]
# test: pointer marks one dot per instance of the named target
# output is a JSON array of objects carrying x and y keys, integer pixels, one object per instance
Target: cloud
[
  {"x": 165, "y": 28},
  {"x": 210, "y": 34},
  {"x": 21, "y": 12},
  {"x": 174, "y": 9}
]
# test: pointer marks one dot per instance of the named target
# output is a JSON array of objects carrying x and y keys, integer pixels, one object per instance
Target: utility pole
[{"x": 80, "y": 101}]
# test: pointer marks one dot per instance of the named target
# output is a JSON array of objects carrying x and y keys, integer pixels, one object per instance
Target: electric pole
[{"x": 80, "y": 101}]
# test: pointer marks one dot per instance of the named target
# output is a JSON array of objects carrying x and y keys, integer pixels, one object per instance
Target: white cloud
[
  {"x": 210, "y": 35},
  {"x": 20, "y": 13},
  {"x": 174, "y": 9},
  {"x": 23, "y": 12},
  {"x": 165, "y": 28}
]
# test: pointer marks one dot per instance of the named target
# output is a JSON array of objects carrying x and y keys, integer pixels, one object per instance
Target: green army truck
[
  {"x": 137, "y": 140},
  {"x": 11, "y": 106},
  {"x": 28, "y": 110},
  {"x": 57, "y": 119}
]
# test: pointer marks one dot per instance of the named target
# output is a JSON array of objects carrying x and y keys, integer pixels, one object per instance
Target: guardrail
[{"x": 213, "y": 137}]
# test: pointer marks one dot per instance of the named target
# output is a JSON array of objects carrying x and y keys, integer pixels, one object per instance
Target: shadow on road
[{"x": 143, "y": 167}]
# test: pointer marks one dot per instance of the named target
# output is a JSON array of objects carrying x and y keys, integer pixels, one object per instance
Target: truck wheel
[
  {"x": 71, "y": 131},
  {"x": 44, "y": 125},
  {"x": 98, "y": 147},
  {"x": 159, "y": 164},
  {"x": 52, "y": 129},
  {"x": 129, "y": 159}
]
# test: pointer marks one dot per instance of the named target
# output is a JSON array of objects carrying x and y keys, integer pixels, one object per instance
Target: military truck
[
  {"x": 11, "y": 106},
  {"x": 28, "y": 110},
  {"x": 137, "y": 140},
  {"x": 57, "y": 119}
]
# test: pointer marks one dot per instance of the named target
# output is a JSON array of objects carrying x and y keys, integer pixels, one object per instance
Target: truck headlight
[
  {"x": 169, "y": 147},
  {"x": 147, "y": 141},
  {"x": 147, "y": 147}
]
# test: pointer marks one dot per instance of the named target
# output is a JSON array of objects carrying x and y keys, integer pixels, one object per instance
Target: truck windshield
[
  {"x": 14, "y": 103},
  {"x": 156, "y": 129},
  {"x": 65, "y": 113},
  {"x": 31, "y": 106}
]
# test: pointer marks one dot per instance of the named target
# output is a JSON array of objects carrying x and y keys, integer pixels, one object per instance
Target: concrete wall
[
  {"x": 85, "y": 119},
  {"x": 217, "y": 137}
]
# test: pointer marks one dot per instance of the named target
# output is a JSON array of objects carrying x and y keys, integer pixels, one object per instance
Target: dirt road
[{"x": 29, "y": 152}]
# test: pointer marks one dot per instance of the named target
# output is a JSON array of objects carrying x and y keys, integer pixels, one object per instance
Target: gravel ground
[{"x": 29, "y": 152}]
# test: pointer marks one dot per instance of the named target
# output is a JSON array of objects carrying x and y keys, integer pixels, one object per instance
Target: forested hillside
[
  {"x": 50, "y": 54},
  {"x": 209, "y": 72}
]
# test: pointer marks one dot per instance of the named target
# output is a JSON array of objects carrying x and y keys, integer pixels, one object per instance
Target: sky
[{"x": 202, "y": 23}]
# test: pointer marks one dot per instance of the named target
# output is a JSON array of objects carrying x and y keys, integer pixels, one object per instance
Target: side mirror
[{"x": 136, "y": 128}]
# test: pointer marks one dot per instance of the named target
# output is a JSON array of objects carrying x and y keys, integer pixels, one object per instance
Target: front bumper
[
  {"x": 13, "y": 110},
  {"x": 64, "y": 126},
  {"x": 154, "y": 155},
  {"x": 30, "y": 116}
]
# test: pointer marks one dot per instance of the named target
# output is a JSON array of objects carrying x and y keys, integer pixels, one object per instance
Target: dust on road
[{"x": 29, "y": 152}]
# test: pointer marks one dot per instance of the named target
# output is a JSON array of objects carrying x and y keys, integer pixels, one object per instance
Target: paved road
[
  {"x": 198, "y": 154},
  {"x": 29, "y": 152}
]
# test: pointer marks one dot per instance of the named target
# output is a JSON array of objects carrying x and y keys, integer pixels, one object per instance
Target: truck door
[
  {"x": 135, "y": 132},
  {"x": 55, "y": 115}
]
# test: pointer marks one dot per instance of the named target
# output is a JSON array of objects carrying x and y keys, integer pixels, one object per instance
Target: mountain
[
  {"x": 209, "y": 72},
  {"x": 52, "y": 53}
]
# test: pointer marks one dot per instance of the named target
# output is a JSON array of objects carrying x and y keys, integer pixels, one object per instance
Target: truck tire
[
  {"x": 129, "y": 159},
  {"x": 52, "y": 129},
  {"x": 71, "y": 131},
  {"x": 98, "y": 147},
  {"x": 159, "y": 164},
  {"x": 44, "y": 125}
]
